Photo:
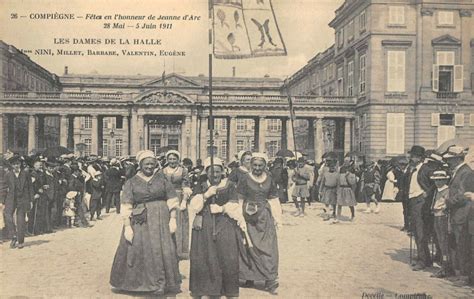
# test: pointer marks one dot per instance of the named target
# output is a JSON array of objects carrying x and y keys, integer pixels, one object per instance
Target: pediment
[
  {"x": 163, "y": 97},
  {"x": 446, "y": 40},
  {"x": 172, "y": 80}
]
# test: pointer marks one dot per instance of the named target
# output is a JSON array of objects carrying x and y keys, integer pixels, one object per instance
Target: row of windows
[
  {"x": 446, "y": 75},
  {"x": 118, "y": 150},
  {"x": 396, "y": 16},
  {"x": 107, "y": 122},
  {"x": 247, "y": 124},
  {"x": 446, "y": 129},
  {"x": 350, "y": 28},
  {"x": 26, "y": 78}
]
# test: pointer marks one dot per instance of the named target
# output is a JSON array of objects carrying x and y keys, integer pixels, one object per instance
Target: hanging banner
[{"x": 245, "y": 29}]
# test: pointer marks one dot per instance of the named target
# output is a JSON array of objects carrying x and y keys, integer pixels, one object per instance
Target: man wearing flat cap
[{"x": 460, "y": 207}]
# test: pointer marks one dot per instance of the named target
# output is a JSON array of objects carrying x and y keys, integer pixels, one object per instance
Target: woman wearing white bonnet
[
  {"x": 146, "y": 259},
  {"x": 216, "y": 218},
  {"x": 178, "y": 176},
  {"x": 262, "y": 212}
]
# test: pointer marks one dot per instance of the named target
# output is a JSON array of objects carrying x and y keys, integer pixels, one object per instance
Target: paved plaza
[{"x": 317, "y": 259}]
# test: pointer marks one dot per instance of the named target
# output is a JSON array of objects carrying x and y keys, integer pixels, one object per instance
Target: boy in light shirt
[{"x": 438, "y": 208}]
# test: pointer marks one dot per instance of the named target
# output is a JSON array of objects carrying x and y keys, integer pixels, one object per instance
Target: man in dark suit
[
  {"x": 420, "y": 189},
  {"x": 62, "y": 188},
  {"x": 432, "y": 163},
  {"x": 460, "y": 207},
  {"x": 51, "y": 190},
  {"x": 19, "y": 198},
  {"x": 97, "y": 187},
  {"x": 113, "y": 186},
  {"x": 37, "y": 216}
]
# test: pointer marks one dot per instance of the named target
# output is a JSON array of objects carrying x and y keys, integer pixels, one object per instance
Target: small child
[
  {"x": 438, "y": 208},
  {"x": 69, "y": 208},
  {"x": 345, "y": 190},
  {"x": 328, "y": 187},
  {"x": 371, "y": 179}
]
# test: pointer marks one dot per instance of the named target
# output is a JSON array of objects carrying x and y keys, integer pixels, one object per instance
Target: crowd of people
[
  {"x": 224, "y": 219},
  {"x": 41, "y": 194}
]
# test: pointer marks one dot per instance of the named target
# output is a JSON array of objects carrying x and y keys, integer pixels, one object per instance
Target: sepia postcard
[{"x": 237, "y": 148}]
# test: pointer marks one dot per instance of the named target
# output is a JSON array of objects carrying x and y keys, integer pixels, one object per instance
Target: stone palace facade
[{"x": 398, "y": 74}]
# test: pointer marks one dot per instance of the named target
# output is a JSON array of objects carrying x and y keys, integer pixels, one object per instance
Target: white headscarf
[
  {"x": 261, "y": 156},
  {"x": 173, "y": 152},
  {"x": 145, "y": 154},
  {"x": 217, "y": 162}
]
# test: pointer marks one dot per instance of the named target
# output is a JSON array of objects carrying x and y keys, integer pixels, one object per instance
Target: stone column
[
  {"x": 232, "y": 141},
  {"x": 284, "y": 141},
  {"x": 134, "y": 138},
  {"x": 290, "y": 137},
  {"x": 70, "y": 134},
  {"x": 40, "y": 135},
  {"x": 140, "y": 129},
  {"x": 262, "y": 130},
  {"x": 1, "y": 134},
  {"x": 31, "y": 132},
  {"x": 146, "y": 133},
  {"x": 11, "y": 131},
  {"x": 203, "y": 138},
  {"x": 347, "y": 135},
  {"x": 125, "y": 135},
  {"x": 186, "y": 142},
  {"x": 63, "y": 130},
  {"x": 76, "y": 127},
  {"x": 95, "y": 135},
  {"x": 318, "y": 139},
  {"x": 194, "y": 141},
  {"x": 310, "y": 136}
]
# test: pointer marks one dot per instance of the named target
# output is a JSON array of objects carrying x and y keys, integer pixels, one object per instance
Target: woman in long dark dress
[
  {"x": 178, "y": 176},
  {"x": 146, "y": 259},
  {"x": 216, "y": 236},
  {"x": 262, "y": 212}
]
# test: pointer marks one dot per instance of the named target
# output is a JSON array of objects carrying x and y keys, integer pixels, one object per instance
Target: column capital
[{"x": 94, "y": 115}]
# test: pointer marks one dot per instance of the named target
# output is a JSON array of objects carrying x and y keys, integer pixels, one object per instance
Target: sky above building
[{"x": 303, "y": 25}]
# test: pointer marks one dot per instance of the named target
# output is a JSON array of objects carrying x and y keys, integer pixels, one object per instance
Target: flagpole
[
  {"x": 211, "y": 117},
  {"x": 292, "y": 115}
]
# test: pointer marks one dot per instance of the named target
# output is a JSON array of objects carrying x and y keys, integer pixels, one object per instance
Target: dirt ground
[{"x": 317, "y": 259}]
